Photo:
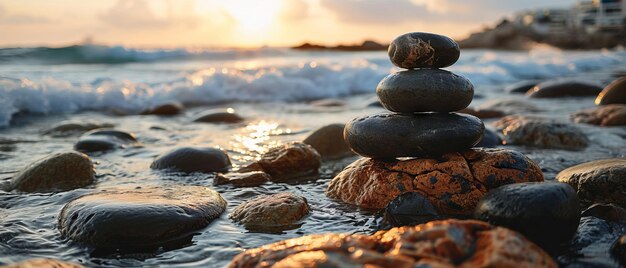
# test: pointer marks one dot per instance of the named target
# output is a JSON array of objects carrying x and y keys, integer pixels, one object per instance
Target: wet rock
[
  {"x": 287, "y": 161},
  {"x": 410, "y": 209},
  {"x": 172, "y": 108},
  {"x": 55, "y": 173},
  {"x": 608, "y": 115},
  {"x": 70, "y": 128},
  {"x": 424, "y": 90},
  {"x": 329, "y": 143},
  {"x": 395, "y": 135},
  {"x": 521, "y": 86},
  {"x": 187, "y": 159},
  {"x": 541, "y": 133},
  {"x": 246, "y": 179},
  {"x": 271, "y": 212},
  {"x": 618, "y": 250},
  {"x": 328, "y": 103},
  {"x": 591, "y": 244},
  {"x": 483, "y": 113},
  {"x": 43, "y": 263},
  {"x": 614, "y": 93},
  {"x": 104, "y": 140},
  {"x": 601, "y": 181},
  {"x": 605, "y": 211},
  {"x": 450, "y": 243},
  {"x": 138, "y": 219},
  {"x": 490, "y": 139},
  {"x": 509, "y": 106},
  {"x": 423, "y": 50},
  {"x": 219, "y": 117},
  {"x": 563, "y": 88},
  {"x": 547, "y": 213},
  {"x": 453, "y": 183}
]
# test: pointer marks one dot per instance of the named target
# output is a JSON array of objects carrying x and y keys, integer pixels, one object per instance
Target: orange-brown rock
[
  {"x": 608, "y": 115},
  {"x": 287, "y": 161},
  {"x": 450, "y": 243},
  {"x": 43, "y": 263},
  {"x": 453, "y": 183}
]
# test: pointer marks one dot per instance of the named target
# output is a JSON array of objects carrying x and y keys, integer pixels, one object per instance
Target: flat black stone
[
  {"x": 547, "y": 213},
  {"x": 423, "y": 50},
  {"x": 189, "y": 160},
  {"x": 104, "y": 140},
  {"x": 521, "y": 86},
  {"x": 425, "y": 90},
  {"x": 218, "y": 117},
  {"x": 423, "y": 134},
  {"x": 563, "y": 88}
]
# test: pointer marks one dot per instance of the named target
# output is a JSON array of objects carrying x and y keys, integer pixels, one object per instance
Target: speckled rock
[
  {"x": 395, "y": 135},
  {"x": 601, "y": 181},
  {"x": 287, "y": 162},
  {"x": 54, "y": 173},
  {"x": 614, "y": 93},
  {"x": 547, "y": 213},
  {"x": 135, "y": 218},
  {"x": 521, "y": 86},
  {"x": 104, "y": 140},
  {"x": 450, "y": 243},
  {"x": 607, "y": 115},
  {"x": 277, "y": 211},
  {"x": 187, "y": 159},
  {"x": 219, "y": 117},
  {"x": 74, "y": 128},
  {"x": 43, "y": 263},
  {"x": 424, "y": 90},
  {"x": 329, "y": 143},
  {"x": 563, "y": 88},
  {"x": 423, "y": 50},
  {"x": 172, "y": 108},
  {"x": 245, "y": 179},
  {"x": 483, "y": 113},
  {"x": 541, "y": 133},
  {"x": 454, "y": 182},
  {"x": 490, "y": 139}
]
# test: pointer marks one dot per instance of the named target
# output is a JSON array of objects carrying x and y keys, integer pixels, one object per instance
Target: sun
[{"x": 254, "y": 15}]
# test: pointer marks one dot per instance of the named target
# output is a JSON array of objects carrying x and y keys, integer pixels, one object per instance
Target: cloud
[
  {"x": 375, "y": 11},
  {"x": 140, "y": 14},
  {"x": 294, "y": 10},
  {"x": 21, "y": 19}
]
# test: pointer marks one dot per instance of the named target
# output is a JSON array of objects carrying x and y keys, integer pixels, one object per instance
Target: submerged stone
[
  {"x": 245, "y": 179},
  {"x": 104, "y": 140},
  {"x": 187, "y": 159},
  {"x": 219, "y": 117}
]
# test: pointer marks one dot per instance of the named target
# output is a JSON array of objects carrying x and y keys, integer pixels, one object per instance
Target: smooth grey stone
[
  {"x": 423, "y": 50},
  {"x": 425, "y": 90},
  {"x": 423, "y": 134},
  {"x": 547, "y": 213},
  {"x": 190, "y": 160}
]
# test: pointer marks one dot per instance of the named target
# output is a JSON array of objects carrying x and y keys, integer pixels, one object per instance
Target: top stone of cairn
[{"x": 423, "y": 50}]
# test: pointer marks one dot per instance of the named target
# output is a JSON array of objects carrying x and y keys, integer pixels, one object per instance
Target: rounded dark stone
[
  {"x": 410, "y": 209},
  {"x": 328, "y": 142},
  {"x": 172, "y": 108},
  {"x": 189, "y": 160},
  {"x": 490, "y": 139},
  {"x": 132, "y": 219},
  {"x": 563, "y": 88},
  {"x": 425, "y": 90},
  {"x": 547, "y": 213},
  {"x": 219, "y": 117},
  {"x": 423, "y": 134},
  {"x": 521, "y": 86},
  {"x": 606, "y": 211},
  {"x": 104, "y": 140},
  {"x": 614, "y": 93},
  {"x": 423, "y": 50}
]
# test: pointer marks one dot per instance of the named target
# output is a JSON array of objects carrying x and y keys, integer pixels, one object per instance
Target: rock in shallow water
[
  {"x": 423, "y": 50},
  {"x": 563, "y": 88},
  {"x": 454, "y": 182},
  {"x": 591, "y": 246},
  {"x": 490, "y": 139},
  {"x": 425, "y": 90},
  {"x": 600, "y": 181},
  {"x": 57, "y": 172},
  {"x": 547, "y": 213},
  {"x": 287, "y": 161},
  {"x": 219, "y": 117},
  {"x": 608, "y": 115},
  {"x": 189, "y": 160},
  {"x": 541, "y": 133},
  {"x": 104, "y": 140},
  {"x": 329, "y": 143},
  {"x": 410, "y": 209},
  {"x": 172, "y": 108},
  {"x": 271, "y": 212},
  {"x": 69, "y": 129},
  {"x": 139, "y": 219},
  {"x": 246, "y": 179},
  {"x": 43, "y": 263},
  {"x": 418, "y": 135},
  {"x": 521, "y": 86},
  {"x": 614, "y": 93},
  {"x": 450, "y": 243}
]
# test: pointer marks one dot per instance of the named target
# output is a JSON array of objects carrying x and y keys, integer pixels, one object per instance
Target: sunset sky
[{"x": 243, "y": 23}]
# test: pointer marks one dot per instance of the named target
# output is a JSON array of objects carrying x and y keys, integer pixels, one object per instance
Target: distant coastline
[{"x": 367, "y": 45}]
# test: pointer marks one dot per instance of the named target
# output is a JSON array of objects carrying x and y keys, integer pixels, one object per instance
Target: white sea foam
[{"x": 341, "y": 74}]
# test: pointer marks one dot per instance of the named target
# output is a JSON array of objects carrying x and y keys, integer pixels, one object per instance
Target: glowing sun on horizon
[{"x": 254, "y": 15}]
